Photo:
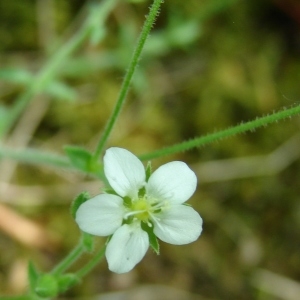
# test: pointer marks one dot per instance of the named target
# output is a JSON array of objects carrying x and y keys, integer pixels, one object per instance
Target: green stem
[
  {"x": 69, "y": 259},
  {"x": 35, "y": 157},
  {"x": 150, "y": 19},
  {"x": 91, "y": 264},
  {"x": 22, "y": 297},
  {"x": 204, "y": 140},
  {"x": 44, "y": 77}
]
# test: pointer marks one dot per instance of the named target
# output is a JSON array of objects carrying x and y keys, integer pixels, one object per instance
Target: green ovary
[{"x": 143, "y": 208}]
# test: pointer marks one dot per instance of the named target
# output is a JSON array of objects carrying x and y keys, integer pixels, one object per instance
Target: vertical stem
[
  {"x": 92, "y": 263},
  {"x": 150, "y": 19},
  {"x": 69, "y": 259}
]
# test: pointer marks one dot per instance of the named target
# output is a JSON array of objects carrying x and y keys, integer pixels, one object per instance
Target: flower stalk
[{"x": 150, "y": 19}]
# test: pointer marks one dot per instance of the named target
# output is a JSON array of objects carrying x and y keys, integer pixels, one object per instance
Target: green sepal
[
  {"x": 81, "y": 198},
  {"x": 127, "y": 201},
  {"x": 109, "y": 191},
  {"x": 84, "y": 161},
  {"x": 88, "y": 241},
  {"x": 66, "y": 281},
  {"x": 33, "y": 275},
  {"x": 148, "y": 170},
  {"x": 142, "y": 192},
  {"x": 152, "y": 237},
  {"x": 47, "y": 286}
]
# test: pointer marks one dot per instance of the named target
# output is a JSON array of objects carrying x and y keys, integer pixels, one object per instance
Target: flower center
[{"x": 141, "y": 207}]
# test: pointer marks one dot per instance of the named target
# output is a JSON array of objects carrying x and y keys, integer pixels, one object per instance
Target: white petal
[
  {"x": 124, "y": 171},
  {"x": 126, "y": 248},
  {"x": 101, "y": 215},
  {"x": 174, "y": 182},
  {"x": 178, "y": 225}
]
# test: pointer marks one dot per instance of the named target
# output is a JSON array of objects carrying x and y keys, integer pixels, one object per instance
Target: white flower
[{"x": 140, "y": 208}]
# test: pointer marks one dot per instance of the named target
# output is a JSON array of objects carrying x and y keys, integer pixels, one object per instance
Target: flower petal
[
  {"x": 101, "y": 215},
  {"x": 174, "y": 182},
  {"x": 178, "y": 225},
  {"x": 126, "y": 248},
  {"x": 124, "y": 171}
]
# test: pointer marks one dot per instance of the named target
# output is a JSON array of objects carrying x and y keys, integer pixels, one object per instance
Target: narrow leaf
[{"x": 33, "y": 275}]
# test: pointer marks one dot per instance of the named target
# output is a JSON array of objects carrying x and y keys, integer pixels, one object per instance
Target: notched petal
[
  {"x": 124, "y": 171},
  {"x": 101, "y": 215}
]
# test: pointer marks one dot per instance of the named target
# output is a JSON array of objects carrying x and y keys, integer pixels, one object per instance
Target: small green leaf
[
  {"x": 33, "y": 275},
  {"x": 81, "y": 198},
  {"x": 84, "y": 161},
  {"x": 79, "y": 157},
  {"x": 47, "y": 286},
  {"x": 148, "y": 170},
  {"x": 66, "y": 281},
  {"x": 88, "y": 241}
]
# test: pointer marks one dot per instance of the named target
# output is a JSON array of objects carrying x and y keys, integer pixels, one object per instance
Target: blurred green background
[{"x": 208, "y": 65}]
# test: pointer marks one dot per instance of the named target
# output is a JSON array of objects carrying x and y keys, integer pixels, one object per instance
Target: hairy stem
[
  {"x": 91, "y": 264},
  {"x": 150, "y": 19},
  {"x": 207, "y": 139}
]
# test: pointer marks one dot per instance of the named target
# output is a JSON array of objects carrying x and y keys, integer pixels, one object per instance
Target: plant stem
[
  {"x": 150, "y": 19},
  {"x": 204, "y": 140},
  {"x": 35, "y": 157},
  {"x": 69, "y": 259},
  {"x": 91, "y": 264}
]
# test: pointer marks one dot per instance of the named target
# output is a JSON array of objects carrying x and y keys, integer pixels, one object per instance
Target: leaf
[
  {"x": 79, "y": 157},
  {"x": 33, "y": 275},
  {"x": 84, "y": 161}
]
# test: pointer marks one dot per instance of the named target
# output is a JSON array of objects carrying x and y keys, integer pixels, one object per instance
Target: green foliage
[
  {"x": 148, "y": 170},
  {"x": 152, "y": 237},
  {"x": 207, "y": 65},
  {"x": 66, "y": 281},
  {"x": 47, "y": 286},
  {"x": 88, "y": 242},
  {"x": 84, "y": 160},
  {"x": 33, "y": 275},
  {"x": 81, "y": 198}
]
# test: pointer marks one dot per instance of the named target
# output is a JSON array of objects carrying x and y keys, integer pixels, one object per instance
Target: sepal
[
  {"x": 148, "y": 170},
  {"x": 47, "y": 286},
  {"x": 66, "y": 281},
  {"x": 88, "y": 241},
  {"x": 81, "y": 198},
  {"x": 152, "y": 237}
]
